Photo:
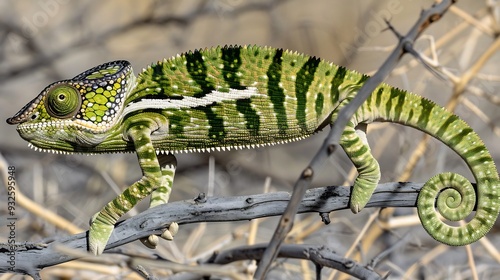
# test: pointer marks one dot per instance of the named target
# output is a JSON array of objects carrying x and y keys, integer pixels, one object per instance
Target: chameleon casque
[{"x": 243, "y": 97}]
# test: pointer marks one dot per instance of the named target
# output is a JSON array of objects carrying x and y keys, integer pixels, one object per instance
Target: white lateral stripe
[{"x": 191, "y": 102}]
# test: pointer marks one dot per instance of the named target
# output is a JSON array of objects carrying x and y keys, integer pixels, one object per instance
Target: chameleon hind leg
[
  {"x": 161, "y": 195},
  {"x": 353, "y": 141},
  {"x": 102, "y": 223}
]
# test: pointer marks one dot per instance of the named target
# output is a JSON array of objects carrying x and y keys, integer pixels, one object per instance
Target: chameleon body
[{"x": 243, "y": 97}]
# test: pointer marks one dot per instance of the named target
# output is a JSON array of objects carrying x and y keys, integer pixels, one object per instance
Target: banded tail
[{"x": 456, "y": 197}]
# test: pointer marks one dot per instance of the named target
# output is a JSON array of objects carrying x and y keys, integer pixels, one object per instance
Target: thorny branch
[
  {"x": 30, "y": 258},
  {"x": 218, "y": 265},
  {"x": 320, "y": 255},
  {"x": 331, "y": 142}
]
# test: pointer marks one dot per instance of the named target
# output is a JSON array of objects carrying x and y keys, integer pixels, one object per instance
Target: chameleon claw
[
  {"x": 355, "y": 208},
  {"x": 170, "y": 232},
  {"x": 151, "y": 241},
  {"x": 357, "y": 205},
  {"x": 167, "y": 235}
]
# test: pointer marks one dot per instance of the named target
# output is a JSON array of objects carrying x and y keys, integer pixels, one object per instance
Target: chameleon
[{"x": 233, "y": 97}]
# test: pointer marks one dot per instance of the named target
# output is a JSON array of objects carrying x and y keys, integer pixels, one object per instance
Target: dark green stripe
[
  {"x": 348, "y": 132},
  {"x": 473, "y": 152},
  {"x": 231, "y": 58},
  {"x": 483, "y": 220},
  {"x": 158, "y": 76},
  {"x": 198, "y": 71},
  {"x": 398, "y": 108},
  {"x": 410, "y": 115},
  {"x": 216, "y": 131},
  {"x": 489, "y": 210},
  {"x": 358, "y": 152},
  {"x": 378, "y": 97},
  {"x": 368, "y": 102},
  {"x": 457, "y": 138},
  {"x": 460, "y": 234},
  {"x": 276, "y": 94},
  {"x": 469, "y": 229},
  {"x": 337, "y": 80},
  {"x": 120, "y": 206},
  {"x": 423, "y": 119},
  {"x": 305, "y": 77},
  {"x": 347, "y": 144},
  {"x": 363, "y": 79},
  {"x": 430, "y": 215},
  {"x": 438, "y": 227},
  {"x": 444, "y": 127},
  {"x": 388, "y": 106},
  {"x": 320, "y": 100},
  {"x": 479, "y": 160},
  {"x": 176, "y": 123},
  {"x": 252, "y": 120},
  {"x": 147, "y": 169}
]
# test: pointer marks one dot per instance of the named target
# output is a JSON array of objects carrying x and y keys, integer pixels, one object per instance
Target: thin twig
[{"x": 317, "y": 254}]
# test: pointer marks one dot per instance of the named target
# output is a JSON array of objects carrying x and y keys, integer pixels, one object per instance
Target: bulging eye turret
[{"x": 63, "y": 101}]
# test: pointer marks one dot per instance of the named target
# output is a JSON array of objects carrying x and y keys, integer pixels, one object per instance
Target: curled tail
[{"x": 456, "y": 197}]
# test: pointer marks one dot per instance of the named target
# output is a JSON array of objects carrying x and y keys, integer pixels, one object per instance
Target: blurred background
[{"x": 48, "y": 40}]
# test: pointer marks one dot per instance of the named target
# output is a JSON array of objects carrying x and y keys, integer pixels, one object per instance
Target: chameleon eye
[{"x": 63, "y": 101}]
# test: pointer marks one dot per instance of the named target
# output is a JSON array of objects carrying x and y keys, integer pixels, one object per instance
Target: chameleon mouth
[
  {"x": 38, "y": 149},
  {"x": 65, "y": 152}
]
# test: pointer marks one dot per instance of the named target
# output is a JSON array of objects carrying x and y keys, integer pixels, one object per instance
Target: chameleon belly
[{"x": 234, "y": 97}]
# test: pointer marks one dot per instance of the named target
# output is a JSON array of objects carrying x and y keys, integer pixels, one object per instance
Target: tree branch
[
  {"x": 320, "y": 255},
  {"x": 30, "y": 258}
]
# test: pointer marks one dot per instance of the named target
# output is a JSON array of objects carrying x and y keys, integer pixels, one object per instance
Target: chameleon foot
[
  {"x": 152, "y": 241},
  {"x": 99, "y": 235},
  {"x": 361, "y": 195}
]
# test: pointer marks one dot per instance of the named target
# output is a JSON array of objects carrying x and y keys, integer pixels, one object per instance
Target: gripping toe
[
  {"x": 171, "y": 232},
  {"x": 99, "y": 235},
  {"x": 151, "y": 241}
]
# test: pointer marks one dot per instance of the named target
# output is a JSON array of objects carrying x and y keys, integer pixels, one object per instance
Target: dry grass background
[{"x": 47, "y": 40}]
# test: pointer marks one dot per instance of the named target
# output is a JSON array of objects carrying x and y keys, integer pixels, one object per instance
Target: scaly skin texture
[{"x": 244, "y": 97}]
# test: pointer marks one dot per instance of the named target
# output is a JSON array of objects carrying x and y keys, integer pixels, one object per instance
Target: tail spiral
[{"x": 456, "y": 198}]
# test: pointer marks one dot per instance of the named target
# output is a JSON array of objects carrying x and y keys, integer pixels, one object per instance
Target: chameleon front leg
[
  {"x": 161, "y": 195},
  {"x": 102, "y": 223},
  {"x": 354, "y": 142}
]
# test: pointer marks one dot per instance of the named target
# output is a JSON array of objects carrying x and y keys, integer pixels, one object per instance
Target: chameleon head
[{"x": 73, "y": 115}]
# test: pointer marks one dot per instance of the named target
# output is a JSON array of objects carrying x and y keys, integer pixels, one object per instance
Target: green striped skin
[{"x": 243, "y": 97}]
